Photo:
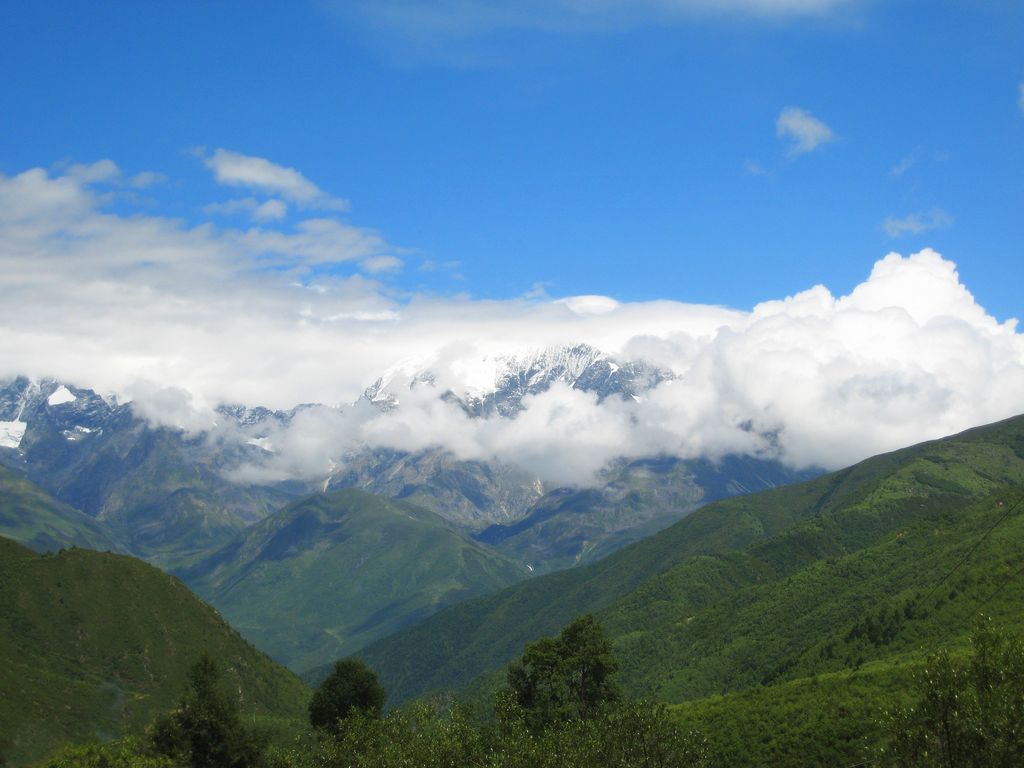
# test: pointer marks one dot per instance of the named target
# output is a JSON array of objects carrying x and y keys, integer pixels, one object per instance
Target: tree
[
  {"x": 351, "y": 685},
  {"x": 966, "y": 714},
  {"x": 205, "y": 730},
  {"x": 565, "y": 678}
]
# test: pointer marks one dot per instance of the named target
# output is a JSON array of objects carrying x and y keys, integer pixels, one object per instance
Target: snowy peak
[
  {"x": 579, "y": 366},
  {"x": 246, "y": 417},
  {"x": 26, "y": 407},
  {"x": 61, "y": 396}
]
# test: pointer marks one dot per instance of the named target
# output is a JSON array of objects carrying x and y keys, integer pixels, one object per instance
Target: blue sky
[
  {"x": 627, "y": 153},
  {"x": 274, "y": 203}
]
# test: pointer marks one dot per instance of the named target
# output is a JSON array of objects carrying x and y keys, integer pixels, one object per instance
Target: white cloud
[
  {"x": 107, "y": 172},
  {"x": 256, "y": 173},
  {"x": 145, "y": 179},
  {"x": 377, "y": 264},
  {"x": 805, "y": 132},
  {"x": 182, "y": 318},
  {"x": 92, "y": 173},
  {"x": 268, "y": 210},
  {"x": 917, "y": 223}
]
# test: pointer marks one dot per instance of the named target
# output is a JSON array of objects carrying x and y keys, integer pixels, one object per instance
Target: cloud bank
[{"x": 182, "y": 317}]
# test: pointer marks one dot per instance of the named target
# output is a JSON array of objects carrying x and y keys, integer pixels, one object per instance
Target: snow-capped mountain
[
  {"x": 168, "y": 491},
  {"x": 75, "y": 413},
  {"x": 514, "y": 377}
]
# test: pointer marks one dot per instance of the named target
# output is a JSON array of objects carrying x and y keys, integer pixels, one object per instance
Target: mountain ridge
[{"x": 459, "y": 644}]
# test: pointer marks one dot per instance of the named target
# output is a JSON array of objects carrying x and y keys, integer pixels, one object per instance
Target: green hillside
[
  {"x": 328, "y": 574},
  {"x": 754, "y": 589},
  {"x": 31, "y": 516},
  {"x": 93, "y": 645}
]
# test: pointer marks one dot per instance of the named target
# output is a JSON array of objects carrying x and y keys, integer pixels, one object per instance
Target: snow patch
[
  {"x": 11, "y": 433},
  {"x": 262, "y": 443},
  {"x": 60, "y": 396},
  {"x": 78, "y": 432}
]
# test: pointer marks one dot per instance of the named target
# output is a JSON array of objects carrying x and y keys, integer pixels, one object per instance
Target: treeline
[{"x": 561, "y": 708}]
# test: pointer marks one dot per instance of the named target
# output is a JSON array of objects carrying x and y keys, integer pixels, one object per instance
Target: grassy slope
[
  {"x": 30, "y": 516},
  {"x": 95, "y": 644},
  {"x": 723, "y": 578},
  {"x": 332, "y": 572}
]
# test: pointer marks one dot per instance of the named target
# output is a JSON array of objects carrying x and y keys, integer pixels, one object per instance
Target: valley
[{"x": 718, "y": 583}]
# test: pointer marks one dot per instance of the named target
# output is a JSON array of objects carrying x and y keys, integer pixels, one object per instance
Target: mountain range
[
  {"x": 778, "y": 615},
  {"x": 109, "y": 478}
]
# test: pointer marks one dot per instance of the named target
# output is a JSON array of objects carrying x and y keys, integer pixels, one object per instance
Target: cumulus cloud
[
  {"x": 181, "y": 318},
  {"x": 256, "y": 173},
  {"x": 804, "y": 131},
  {"x": 917, "y": 223}
]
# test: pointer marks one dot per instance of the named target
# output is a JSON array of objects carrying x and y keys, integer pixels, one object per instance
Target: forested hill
[
  {"x": 94, "y": 644},
  {"x": 758, "y": 588}
]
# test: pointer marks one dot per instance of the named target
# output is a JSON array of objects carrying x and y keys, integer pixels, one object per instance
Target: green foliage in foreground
[
  {"x": 205, "y": 730},
  {"x": 633, "y": 736},
  {"x": 564, "y": 678},
  {"x": 350, "y": 686},
  {"x": 968, "y": 715},
  {"x": 131, "y": 752}
]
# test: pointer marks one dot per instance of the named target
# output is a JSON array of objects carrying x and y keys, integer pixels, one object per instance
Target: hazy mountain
[
  {"x": 635, "y": 499},
  {"x": 330, "y": 573},
  {"x": 473, "y": 494},
  {"x": 157, "y": 490}
]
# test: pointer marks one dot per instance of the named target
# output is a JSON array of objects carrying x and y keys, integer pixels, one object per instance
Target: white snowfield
[
  {"x": 60, "y": 396},
  {"x": 11, "y": 433}
]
